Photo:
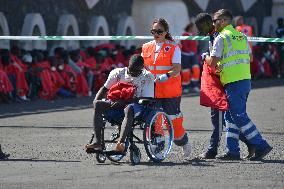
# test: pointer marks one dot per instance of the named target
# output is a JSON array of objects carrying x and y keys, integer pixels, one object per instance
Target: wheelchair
[{"x": 157, "y": 136}]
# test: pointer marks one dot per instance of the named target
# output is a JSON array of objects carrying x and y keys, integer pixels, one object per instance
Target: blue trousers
[
  {"x": 218, "y": 121},
  {"x": 237, "y": 120}
]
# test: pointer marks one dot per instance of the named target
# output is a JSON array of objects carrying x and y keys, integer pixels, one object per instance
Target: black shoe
[
  {"x": 260, "y": 154},
  {"x": 228, "y": 156},
  {"x": 3, "y": 155},
  {"x": 251, "y": 152},
  {"x": 207, "y": 155}
]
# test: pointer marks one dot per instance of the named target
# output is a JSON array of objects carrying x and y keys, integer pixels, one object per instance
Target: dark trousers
[{"x": 218, "y": 121}]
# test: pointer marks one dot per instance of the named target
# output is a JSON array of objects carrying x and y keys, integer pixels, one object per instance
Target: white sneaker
[
  {"x": 186, "y": 149},
  {"x": 24, "y": 98},
  {"x": 90, "y": 93}
]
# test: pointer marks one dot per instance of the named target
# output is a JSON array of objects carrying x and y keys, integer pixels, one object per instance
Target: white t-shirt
[{"x": 144, "y": 83}]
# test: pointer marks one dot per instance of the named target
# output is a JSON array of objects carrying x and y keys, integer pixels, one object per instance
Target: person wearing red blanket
[
  {"x": 123, "y": 88},
  {"x": 18, "y": 69},
  {"x": 79, "y": 68},
  {"x": 5, "y": 85}
]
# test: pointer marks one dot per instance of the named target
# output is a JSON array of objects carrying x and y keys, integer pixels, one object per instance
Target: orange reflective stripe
[
  {"x": 185, "y": 76},
  {"x": 195, "y": 73},
  {"x": 159, "y": 125},
  {"x": 179, "y": 131}
]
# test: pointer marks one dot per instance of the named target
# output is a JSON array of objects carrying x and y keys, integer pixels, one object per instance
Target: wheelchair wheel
[
  {"x": 158, "y": 136},
  {"x": 135, "y": 155},
  {"x": 113, "y": 136},
  {"x": 101, "y": 158}
]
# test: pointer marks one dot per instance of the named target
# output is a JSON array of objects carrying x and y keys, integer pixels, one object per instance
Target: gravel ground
[{"x": 46, "y": 139}]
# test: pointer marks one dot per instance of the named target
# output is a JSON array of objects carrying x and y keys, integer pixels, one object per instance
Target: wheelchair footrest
[
  {"x": 106, "y": 152},
  {"x": 113, "y": 152},
  {"x": 92, "y": 151}
]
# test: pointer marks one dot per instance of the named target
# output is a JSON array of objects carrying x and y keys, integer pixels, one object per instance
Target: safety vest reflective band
[
  {"x": 163, "y": 64},
  {"x": 235, "y": 63},
  {"x": 232, "y": 53},
  {"x": 152, "y": 68}
]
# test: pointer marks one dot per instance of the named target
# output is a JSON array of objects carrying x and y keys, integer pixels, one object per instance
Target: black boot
[
  {"x": 207, "y": 155},
  {"x": 229, "y": 156},
  {"x": 3, "y": 155},
  {"x": 260, "y": 154},
  {"x": 251, "y": 151}
]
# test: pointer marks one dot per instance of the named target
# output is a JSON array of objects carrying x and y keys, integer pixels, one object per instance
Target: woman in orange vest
[
  {"x": 162, "y": 57},
  {"x": 245, "y": 29}
]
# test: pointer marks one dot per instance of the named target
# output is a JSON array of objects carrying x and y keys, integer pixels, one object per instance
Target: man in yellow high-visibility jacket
[{"x": 231, "y": 55}]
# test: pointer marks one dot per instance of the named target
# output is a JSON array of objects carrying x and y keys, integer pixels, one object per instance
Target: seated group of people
[
  {"x": 266, "y": 61},
  {"x": 27, "y": 75}
]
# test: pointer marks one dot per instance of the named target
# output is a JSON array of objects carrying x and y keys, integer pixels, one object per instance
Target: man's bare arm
[
  {"x": 101, "y": 93},
  {"x": 176, "y": 70}
]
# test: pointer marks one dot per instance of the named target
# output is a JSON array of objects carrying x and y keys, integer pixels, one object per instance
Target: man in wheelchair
[{"x": 123, "y": 89}]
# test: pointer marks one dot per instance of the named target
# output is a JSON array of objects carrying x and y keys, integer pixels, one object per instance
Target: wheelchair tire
[
  {"x": 101, "y": 158},
  {"x": 158, "y": 136},
  {"x": 135, "y": 155}
]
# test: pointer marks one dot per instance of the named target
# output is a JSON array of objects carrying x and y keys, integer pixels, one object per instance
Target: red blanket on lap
[{"x": 121, "y": 91}]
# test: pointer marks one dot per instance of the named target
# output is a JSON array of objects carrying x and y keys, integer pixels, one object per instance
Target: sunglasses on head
[
  {"x": 158, "y": 31},
  {"x": 215, "y": 20}
]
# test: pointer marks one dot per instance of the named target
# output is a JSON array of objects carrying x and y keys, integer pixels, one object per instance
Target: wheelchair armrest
[{"x": 147, "y": 101}]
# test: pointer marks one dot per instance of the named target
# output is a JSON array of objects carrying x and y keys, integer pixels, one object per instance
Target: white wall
[
  {"x": 145, "y": 11},
  {"x": 277, "y": 9}
]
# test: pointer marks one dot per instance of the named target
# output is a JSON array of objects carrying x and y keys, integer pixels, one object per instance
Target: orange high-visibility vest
[
  {"x": 247, "y": 30},
  {"x": 163, "y": 64}
]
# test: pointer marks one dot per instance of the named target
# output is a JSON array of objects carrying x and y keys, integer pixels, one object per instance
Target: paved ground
[{"x": 45, "y": 140}]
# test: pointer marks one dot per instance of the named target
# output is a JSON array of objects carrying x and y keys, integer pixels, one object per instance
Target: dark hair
[
  {"x": 136, "y": 59},
  {"x": 136, "y": 65},
  {"x": 189, "y": 26},
  {"x": 203, "y": 18},
  {"x": 224, "y": 13},
  {"x": 165, "y": 25},
  {"x": 280, "y": 21}
]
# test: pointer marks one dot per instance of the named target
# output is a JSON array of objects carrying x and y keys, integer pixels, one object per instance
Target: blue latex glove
[
  {"x": 162, "y": 78},
  {"x": 203, "y": 55}
]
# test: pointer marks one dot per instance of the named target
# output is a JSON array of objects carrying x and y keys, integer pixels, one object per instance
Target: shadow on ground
[{"x": 40, "y": 160}]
